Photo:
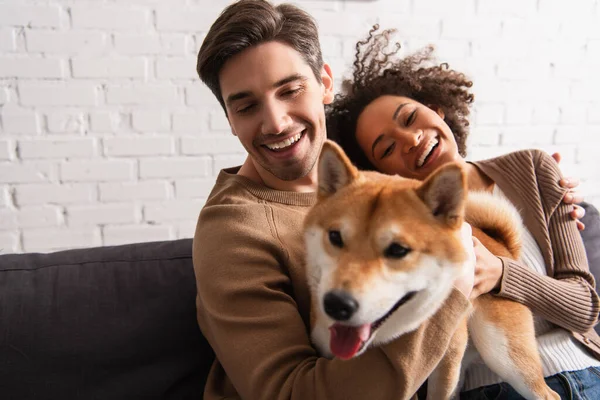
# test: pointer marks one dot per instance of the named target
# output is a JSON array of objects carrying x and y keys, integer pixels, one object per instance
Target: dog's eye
[
  {"x": 335, "y": 237},
  {"x": 395, "y": 250}
]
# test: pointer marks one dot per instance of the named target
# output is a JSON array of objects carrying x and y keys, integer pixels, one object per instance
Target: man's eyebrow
[
  {"x": 237, "y": 96},
  {"x": 242, "y": 95},
  {"x": 291, "y": 78},
  {"x": 397, "y": 111},
  {"x": 375, "y": 144}
]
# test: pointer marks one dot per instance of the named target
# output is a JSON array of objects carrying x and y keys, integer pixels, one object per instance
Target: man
[{"x": 264, "y": 65}]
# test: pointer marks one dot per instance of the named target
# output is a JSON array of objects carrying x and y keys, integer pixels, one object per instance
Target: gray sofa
[
  {"x": 101, "y": 323},
  {"x": 115, "y": 322}
]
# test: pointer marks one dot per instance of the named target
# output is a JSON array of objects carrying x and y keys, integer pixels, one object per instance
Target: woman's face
[{"x": 404, "y": 137}]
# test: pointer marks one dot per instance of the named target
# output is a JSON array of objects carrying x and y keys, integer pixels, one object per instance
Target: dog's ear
[
  {"x": 335, "y": 169},
  {"x": 445, "y": 193}
]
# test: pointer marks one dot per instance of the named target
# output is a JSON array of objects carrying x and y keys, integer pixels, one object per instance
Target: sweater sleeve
[
  {"x": 567, "y": 298},
  {"x": 247, "y": 311}
]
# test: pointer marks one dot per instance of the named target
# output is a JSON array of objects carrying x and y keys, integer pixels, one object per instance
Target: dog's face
[{"x": 382, "y": 252}]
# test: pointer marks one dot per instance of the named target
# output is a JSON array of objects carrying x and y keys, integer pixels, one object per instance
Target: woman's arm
[{"x": 567, "y": 298}]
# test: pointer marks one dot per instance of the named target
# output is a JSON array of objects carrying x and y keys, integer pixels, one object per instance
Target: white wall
[{"x": 108, "y": 137}]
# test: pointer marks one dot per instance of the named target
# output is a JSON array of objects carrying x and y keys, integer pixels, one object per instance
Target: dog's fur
[{"x": 372, "y": 239}]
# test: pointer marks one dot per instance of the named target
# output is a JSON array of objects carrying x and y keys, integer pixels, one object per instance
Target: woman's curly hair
[{"x": 377, "y": 72}]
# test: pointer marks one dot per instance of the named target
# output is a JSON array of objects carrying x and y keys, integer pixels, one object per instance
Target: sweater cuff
[{"x": 511, "y": 284}]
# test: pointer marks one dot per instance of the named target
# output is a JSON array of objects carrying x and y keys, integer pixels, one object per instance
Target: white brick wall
[
  {"x": 15, "y": 13},
  {"x": 139, "y": 146},
  {"x": 76, "y": 42},
  {"x": 55, "y": 193},
  {"x": 68, "y": 93},
  {"x": 111, "y": 17},
  {"x": 132, "y": 191},
  {"x": 108, "y": 137},
  {"x": 109, "y": 67},
  {"x": 16, "y": 121},
  {"x": 47, "y": 148},
  {"x": 102, "y": 214},
  {"x": 98, "y": 171},
  {"x": 31, "y": 67}
]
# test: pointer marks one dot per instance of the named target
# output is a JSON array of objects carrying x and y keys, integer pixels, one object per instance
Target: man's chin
[
  {"x": 288, "y": 170},
  {"x": 290, "y": 174},
  {"x": 292, "y": 171}
]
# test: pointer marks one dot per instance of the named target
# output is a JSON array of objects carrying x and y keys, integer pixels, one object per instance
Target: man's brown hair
[{"x": 248, "y": 23}]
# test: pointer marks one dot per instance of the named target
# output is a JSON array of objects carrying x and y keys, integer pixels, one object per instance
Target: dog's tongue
[{"x": 345, "y": 340}]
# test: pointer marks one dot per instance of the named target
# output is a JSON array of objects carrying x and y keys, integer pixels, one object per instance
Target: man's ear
[
  {"x": 232, "y": 130},
  {"x": 228, "y": 120},
  {"x": 230, "y": 126},
  {"x": 445, "y": 193},
  {"x": 327, "y": 80},
  {"x": 334, "y": 169}
]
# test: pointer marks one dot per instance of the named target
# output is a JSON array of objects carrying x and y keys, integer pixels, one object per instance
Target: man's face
[{"x": 275, "y": 107}]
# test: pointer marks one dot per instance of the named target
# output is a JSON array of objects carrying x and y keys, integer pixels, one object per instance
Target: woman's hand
[
  {"x": 488, "y": 270},
  {"x": 572, "y": 196},
  {"x": 464, "y": 283}
]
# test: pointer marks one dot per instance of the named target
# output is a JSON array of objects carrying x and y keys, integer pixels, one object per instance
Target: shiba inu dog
[{"x": 382, "y": 255}]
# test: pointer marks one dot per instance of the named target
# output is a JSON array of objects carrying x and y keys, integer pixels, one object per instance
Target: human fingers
[
  {"x": 464, "y": 283},
  {"x": 466, "y": 230},
  {"x": 557, "y": 157},
  {"x": 578, "y": 212},
  {"x": 569, "y": 182},
  {"x": 475, "y": 293},
  {"x": 573, "y": 197}
]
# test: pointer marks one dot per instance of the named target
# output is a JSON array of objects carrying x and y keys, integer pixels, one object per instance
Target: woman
[{"x": 408, "y": 116}]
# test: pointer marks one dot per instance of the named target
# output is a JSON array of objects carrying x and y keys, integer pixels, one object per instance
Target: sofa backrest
[
  {"x": 101, "y": 323},
  {"x": 591, "y": 240}
]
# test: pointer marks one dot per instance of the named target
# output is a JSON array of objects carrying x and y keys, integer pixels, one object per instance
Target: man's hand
[{"x": 572, "y": 197}]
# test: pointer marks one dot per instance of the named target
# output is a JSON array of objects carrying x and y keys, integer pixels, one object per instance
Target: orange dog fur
[{"x": 382, "y": 255}]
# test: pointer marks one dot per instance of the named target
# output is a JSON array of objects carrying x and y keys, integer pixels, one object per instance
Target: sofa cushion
[
  {"x": 101, "y": 323},
  {"x": 591, "y": 240},
  {"x": 591, "y": 237}
]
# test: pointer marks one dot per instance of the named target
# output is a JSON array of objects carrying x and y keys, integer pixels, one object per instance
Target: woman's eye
[
  {"x": 388, "y": 151},
  {"x": 411, "y": 118}
]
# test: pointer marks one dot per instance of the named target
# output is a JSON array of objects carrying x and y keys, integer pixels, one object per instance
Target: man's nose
[{"x": 275, "y": 118}]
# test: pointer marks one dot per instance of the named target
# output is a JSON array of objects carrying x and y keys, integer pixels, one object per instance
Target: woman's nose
[{"x": 410, "y": 139}]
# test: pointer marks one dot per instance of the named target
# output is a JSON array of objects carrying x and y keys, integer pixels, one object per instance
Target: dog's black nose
[{"x": 340, "y": 305}]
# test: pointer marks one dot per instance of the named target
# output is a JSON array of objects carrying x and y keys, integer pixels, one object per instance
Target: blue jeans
[{"x": 573, "y": 385}]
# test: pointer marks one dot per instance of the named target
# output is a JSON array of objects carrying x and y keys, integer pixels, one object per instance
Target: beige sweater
[
  {"x": 253, "y": 301},
  {"x": 253, "y": 307}
]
